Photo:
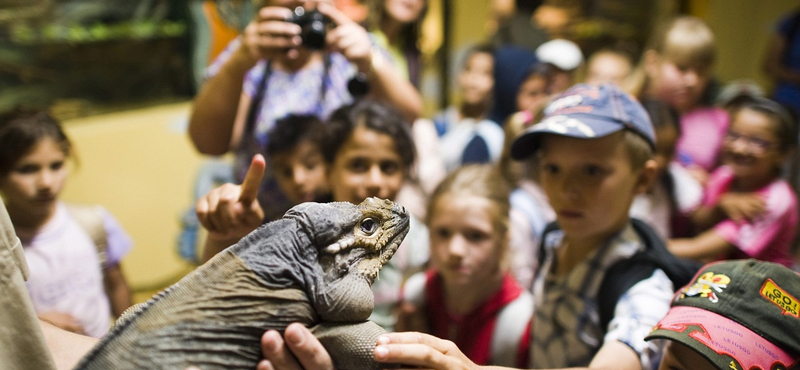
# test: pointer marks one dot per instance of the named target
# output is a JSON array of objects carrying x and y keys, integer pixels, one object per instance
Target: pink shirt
[
  {"x": 702, "y": 131},
  {"x": 769, "y": 236}
]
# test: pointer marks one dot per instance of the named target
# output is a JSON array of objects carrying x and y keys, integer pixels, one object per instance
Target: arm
[
  {"x": 707, "y": 245},
  {"x": 738, "y": 207},
  {"x": 429, "y": 352},
  {"x": 117, "y": 290},
  {"x": 352, "y": 41},
  {"x": 214, "y": 111},
  {"x": 66, "y": 348}
]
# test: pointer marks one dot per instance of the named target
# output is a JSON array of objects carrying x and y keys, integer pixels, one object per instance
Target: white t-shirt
[
  {"x": 654, "y": 208},
  {"x": 65, "y": 274}
]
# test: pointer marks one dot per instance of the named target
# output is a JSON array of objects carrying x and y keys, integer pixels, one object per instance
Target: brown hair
[
  {"x": 480, "y": 180},
  {"x": 21, "y": 129}
]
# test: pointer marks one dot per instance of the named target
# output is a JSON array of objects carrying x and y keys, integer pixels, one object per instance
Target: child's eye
[
  {"x": 443, "y": 233},
  {"x": 550, "y": 169},
  {"x": 593, "y": 170},
  {"x": 389, "y": 167},
  {"x": 358, "y": 165},
  {"x": 27, "y": 169},
  {"x": 56, "y": 165},
  {"x": 475, "y": 236}
]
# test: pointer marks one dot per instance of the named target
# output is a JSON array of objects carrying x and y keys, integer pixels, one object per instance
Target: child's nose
[
  {"x": 457, "y": 246},
  {"x": 45, "y": 179}
]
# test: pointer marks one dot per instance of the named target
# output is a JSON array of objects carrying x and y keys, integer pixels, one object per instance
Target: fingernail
[
  {"x": 383, "y": 339},
  {"x": 296, "y": 338},
  {"x": 381, "y": 352}
]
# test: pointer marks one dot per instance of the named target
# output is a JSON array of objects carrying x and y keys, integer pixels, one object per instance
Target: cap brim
[
  {"x": 719, "y": 339},
  {"x": 578, "y": 126}
]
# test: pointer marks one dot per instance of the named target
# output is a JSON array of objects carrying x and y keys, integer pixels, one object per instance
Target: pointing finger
[{"x": 252, "y": 180}]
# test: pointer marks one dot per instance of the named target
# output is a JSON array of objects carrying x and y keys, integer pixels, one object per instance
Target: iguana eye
[{"x": 369, "y": 226}]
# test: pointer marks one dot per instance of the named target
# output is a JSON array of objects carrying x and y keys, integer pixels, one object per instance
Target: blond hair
[
  {"x": 484, "y": 181},
  {"x": 684, "y": 41}
]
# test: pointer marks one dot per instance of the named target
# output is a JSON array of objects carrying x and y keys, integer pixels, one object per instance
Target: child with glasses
[{"x": 748, "y": 210}]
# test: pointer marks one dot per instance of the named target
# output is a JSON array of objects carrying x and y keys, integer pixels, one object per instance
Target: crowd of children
[{"x": 557, "y": 238}]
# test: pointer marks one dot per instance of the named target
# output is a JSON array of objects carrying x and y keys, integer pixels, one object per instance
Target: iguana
[{"x": 314, "y": 266}]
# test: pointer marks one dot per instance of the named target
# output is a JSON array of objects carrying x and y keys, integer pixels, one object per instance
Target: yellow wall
[
  {"x": 742, "y": 28},
  {"x": 141, "y": 166}
]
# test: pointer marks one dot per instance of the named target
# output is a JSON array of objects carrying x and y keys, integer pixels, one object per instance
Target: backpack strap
[
  {"x": 553, "y": 226},
  {"x": 626, "y": 273},
  {"x": 90, "y": 219},
  {"x": 512, "y": 321}
]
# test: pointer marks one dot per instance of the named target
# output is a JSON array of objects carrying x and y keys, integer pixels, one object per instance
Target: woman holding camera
[{"x": 282, "y": 74}]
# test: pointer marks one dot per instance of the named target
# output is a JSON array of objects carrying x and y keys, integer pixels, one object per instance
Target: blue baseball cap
[{"x": 587, "y": 112}]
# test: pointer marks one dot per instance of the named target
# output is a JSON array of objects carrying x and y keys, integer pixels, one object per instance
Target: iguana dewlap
[{"x": 313, "y": 266}]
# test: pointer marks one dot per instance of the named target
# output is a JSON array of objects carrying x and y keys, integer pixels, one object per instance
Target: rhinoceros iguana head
[{"x": 334, "y": 253}]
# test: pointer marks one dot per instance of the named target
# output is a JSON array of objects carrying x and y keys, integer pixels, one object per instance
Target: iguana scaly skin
[{"x": 314, "y": 266}]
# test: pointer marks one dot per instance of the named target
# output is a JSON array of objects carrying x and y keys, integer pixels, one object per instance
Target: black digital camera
[{"x": 314, "y": 26}]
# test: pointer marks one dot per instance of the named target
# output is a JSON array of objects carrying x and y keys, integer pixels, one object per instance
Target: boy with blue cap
[{"x": 594, "y": 151}]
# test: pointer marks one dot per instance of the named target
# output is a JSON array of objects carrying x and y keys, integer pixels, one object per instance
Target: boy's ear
[{"x": 647, "y": 177}]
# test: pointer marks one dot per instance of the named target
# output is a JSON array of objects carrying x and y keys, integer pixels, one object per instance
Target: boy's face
[
  {"x": 477, "y": 79},
  {"x": 367, "y": 165},
  {"x": 300, "y": 173},
  {"x": 465, "y": 246},
  {"x": 35, "y": 181},
  {"x": 680, "y": 357},
  {"x": 590, "y": 183},
  {"x": 666, "y": 137}
]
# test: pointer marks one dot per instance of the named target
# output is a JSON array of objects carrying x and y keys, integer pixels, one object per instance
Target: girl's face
[
  {"x": 679, "y": 85},
  {"x": 301, "y": 172},
  {"x": 477, "y": 79},
  {"x": 367, "y": 165},
  {"x": 465, "y": 247},
  {"x": 33, "y": 185},
  {"x": 751, "y": 147},
  {"x": 532, "y": 93},
  {"x": 666, "y": 137},
  {"x": 404, "y": 11}
]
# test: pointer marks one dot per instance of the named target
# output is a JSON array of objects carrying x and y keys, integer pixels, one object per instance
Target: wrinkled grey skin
[{"x": 314, "y": 266}]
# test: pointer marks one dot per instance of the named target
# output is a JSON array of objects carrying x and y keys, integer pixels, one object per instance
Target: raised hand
[
  {"x": 269, "y": 35},
  {"x": 347, "y": 38},
  {"x": 232, "y": 211}
]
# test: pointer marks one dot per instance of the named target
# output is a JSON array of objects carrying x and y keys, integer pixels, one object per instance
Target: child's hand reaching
[
  {"x": 423, "y": 351},
  {"x": 229, "y": 212},
  {"x": 741, "y": 207}
]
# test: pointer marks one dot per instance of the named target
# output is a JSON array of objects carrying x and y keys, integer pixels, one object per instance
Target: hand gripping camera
[{"x": 314, "y": 26}]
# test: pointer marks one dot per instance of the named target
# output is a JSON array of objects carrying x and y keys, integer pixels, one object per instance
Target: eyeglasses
[{"x": 755, "y": 145}]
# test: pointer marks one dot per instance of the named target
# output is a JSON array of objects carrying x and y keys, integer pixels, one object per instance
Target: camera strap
[{"x": 261, "y": 91}]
